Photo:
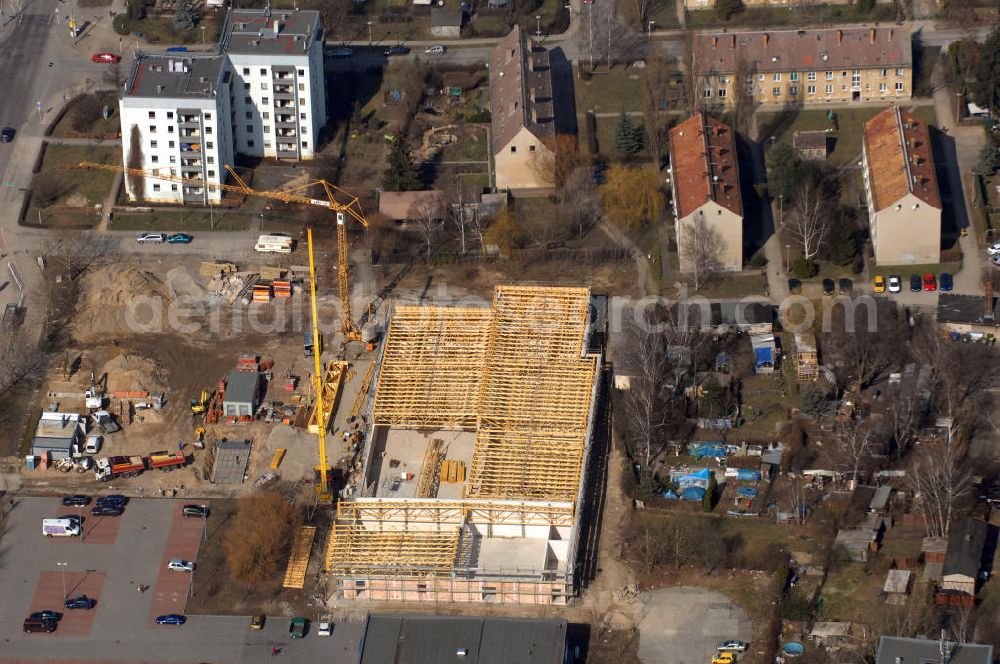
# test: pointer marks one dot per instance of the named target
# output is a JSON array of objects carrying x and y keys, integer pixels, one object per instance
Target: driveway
[{"x": 682, "y": 625}]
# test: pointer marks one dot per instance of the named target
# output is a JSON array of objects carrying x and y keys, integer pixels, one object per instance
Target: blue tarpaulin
[
  {"x": 763, "y": 356},
  {"x": 699, "y": 450},
  {"x": 669, "y": 495},
  {"x": 748, "y": 475},
  {"x": 693, "y": 493},
  {"x": 747, "y": 492}
]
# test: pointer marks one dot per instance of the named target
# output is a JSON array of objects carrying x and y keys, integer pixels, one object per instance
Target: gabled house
[
  {"x": 962, "y": 562},
  {"x": 705, "y": 182},
  {"x": 523, "y": 117},
  {"x": 901, "y": 188},
  {"x": 899, "y": 650}
]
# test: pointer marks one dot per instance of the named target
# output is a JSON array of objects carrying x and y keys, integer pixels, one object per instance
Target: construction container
[{"x": 282, "y": 288}]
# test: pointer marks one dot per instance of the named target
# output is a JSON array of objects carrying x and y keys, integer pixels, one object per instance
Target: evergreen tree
[
  {"x": 708, "y": 502},
  {"x": 843, "y": 244},
  {"x": 186, "y": 17},
  {"x": 628, "y": 141},
  {"x": 402, "y": 174}
]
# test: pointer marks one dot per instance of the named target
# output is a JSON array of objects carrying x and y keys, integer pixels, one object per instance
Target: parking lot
[{"x": 113, "y": 558}]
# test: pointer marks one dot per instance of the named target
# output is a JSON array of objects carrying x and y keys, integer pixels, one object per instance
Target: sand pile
[
  {"x": 120, "y": 300},
  {"x": 183, "y": 285},
  {"x": 133, "y": 372}
]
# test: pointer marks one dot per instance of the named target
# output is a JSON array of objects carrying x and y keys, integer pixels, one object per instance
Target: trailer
[
  {"x": 166, "y": 461},
  {"x": 109, "y": 468}
]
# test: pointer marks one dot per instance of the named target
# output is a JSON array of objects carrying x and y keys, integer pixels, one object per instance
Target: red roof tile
[
  {"x": 704, "y": 166},
  {"x": 898, "y": 146}
]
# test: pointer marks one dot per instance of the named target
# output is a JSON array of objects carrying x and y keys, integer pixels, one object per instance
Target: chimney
[
  {"x": 732, "y": 41},
  {"x": 532, "y": 93},
  {"x": 871, "y": 36},
  {"x": 767, "y": 38},
  {"x": 840, "y": 36},
  {"x": 715, "y": 41},
  {"x": 276, "y": 27},
  {"x": 890, "y": 34}
]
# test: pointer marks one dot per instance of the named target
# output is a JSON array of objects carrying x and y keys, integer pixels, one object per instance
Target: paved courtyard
[{"x": 682, "y": 625}]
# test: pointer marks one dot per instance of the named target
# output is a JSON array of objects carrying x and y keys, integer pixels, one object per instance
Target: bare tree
[
  {"x": 604, "y": 37},
  {"x": 701, "y": 250},
  {"x": 856, "y": 441},
  {"x": 114, "y": 76},
  {"x": 647, "y": 415},
  {"x": 20, "y": 360},
  {"x": 741, "y": 90},
  {"x": 555, "y": 164},
  {"x": 808, "y": 220},
  {"x": 580, "y": 200},
  {"x": 654, "y": 90},
  {"x": 865, "y": 343},
  {"x": 136, "y": 182},
  {"x": 76, "y": 253},
  {"x": 425, "y": 216},
  {"x": 939, "y": 482}
]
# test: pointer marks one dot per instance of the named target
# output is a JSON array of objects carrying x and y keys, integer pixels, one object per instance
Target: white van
[
  {"x": 93, "y": 445},
  {"x": 275, "y": 244},
  {"x": 60, "y": 528}
]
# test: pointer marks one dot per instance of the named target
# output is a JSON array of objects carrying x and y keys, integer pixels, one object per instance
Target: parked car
[
  {"x": 297, "y": 628},
  {"x": 341, "y": 53},
  {"x": 325, "y": 628},
  {"x": 915, "y": 285},
  {"x": 154, "y": 238},
  {"x": 81, "y": 602},
  {"x": 846, "y": 286},
  {"x": 732, "y": 645},
  {"x": 878, "y": 284},
  {"x": 179, "y": 565},
  {"x": 112, "y": 499},
  {"x": 993, "y": 249},
  {"x": 107, "y": 510},
  {"x": 45, "y": 615},
  {"x": 196, "y": 510},
  {"x": 257, "y": 622},
  {"x": 398, "y": 49},
  {"x": 794, "y": 286},
  {"x": 179, "y": 238},
  {"x": 895, "y": 285},
  {"x": 31, "y": 626},
  {"x": 106, "y": 57},
  {"x": 76, "y": 501},
  {"x": 828, "y": 287},
  {"x": 930, "y": 282},
  {"x": 437, "y": 49},
  {"x": 724, "y": 658},
  {"x": 945, "y": 282},
  {"x": 7, "y": 134},
  {"x": 171, "y": 619}
]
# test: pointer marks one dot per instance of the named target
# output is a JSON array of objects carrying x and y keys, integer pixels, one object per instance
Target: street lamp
[
  {"x": 63, "y": 566},
  {"x": 788, "y": 259},
  {"x": 538, "y": 25},
  {"x": 781, "y": 209},
  {"x": 649, "y": 29},
  {"x": 202, "y": 34},
  {"x": 370, "y": 32}
]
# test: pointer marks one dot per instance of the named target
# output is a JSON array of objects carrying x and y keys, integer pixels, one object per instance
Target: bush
[
  {"x": 46, "y": 189},
  {"x": 803, "y": 269},
  {"x": 758, "y": 259},
  {"x": 86, "y": 112},
  {"x": 795, "y": 607},
  {"x": 480, "y": 115},
  {"x": 726, "y": 9},
  {"x": 120, "y": 24}
]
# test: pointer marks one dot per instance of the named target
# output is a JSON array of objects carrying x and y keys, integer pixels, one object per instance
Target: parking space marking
[
  {"x": 50, "y": 594},
  {"x": 96, "y": 529},
  {"x": 170, "y": 592}
]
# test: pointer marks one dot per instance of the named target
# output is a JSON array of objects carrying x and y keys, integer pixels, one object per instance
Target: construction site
[{"x": 471, "y": 479}]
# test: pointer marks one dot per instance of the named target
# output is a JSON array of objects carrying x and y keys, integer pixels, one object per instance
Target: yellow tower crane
[
  {"x": 323, "y": 488},
  {"x": 291, "y": 195}
]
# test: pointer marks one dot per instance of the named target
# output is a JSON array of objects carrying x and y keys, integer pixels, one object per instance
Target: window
[
  {"x": 156, "y": 187},
  {"x": 776, "y": 92},
  {"x": 250, "y": 144},
  {"x": 170, "y": 129},
  {"x": 302, "y": 101},
  {"x": 302, "y": 87},
  {"x": 152, "y": 115},
  {"x": 305, "y": 144},
  {"x": 211, "y": 173},
  {"x": 302, "y": 72},
  {"x": 723, "y": 80},
  {"x": 155, "y": 159},
  {"x": 794, "y": 76},
  {"x": 173, "y": 187},
  {"x": 267, "y": 144},
  {"x": 776, "y": 78},
  {"x": 208, "y": 130},
  {"x": 899, "y": 86},
  {"x": 246, "y": 71},
  {"x": 722, "y": 93},
  {"x": 899, "y": 72},
  {"x": 882, "y": 87},
  {"x": 883, "y": 72},
  {"x": 829, "y": 90},
  {"x": 302, "y": 116},
  {"x": 513, "y": 149},
  {"x": 210, "y": 145},
  {"x": 263, "y": 86},
  {"x": 760, "y": 77},
  {"x": 246, "y": 86},
  {"x": 811, "y": 76},
  {"x": 246, "y": 100},
  {"x": 211, "y": 160},
  {"x": 153, "y": 144},
  {"x": 170, "y": 115},
  {"x": 305, "y": 130},
  {"x": 249, "y": 128},
  {"x": 265, "y": 100},
  {"x": 794, "y": 90},
  {"x": 708, "y": 93},
  {"x": 173, "y": 159},
  {"x": 171, "y": 144},
  {"x": 208, "y": 116},
  {"x": 531, "y": 148},
  {"x": 152, "y": 129},
  {"x": 811, "y": 89},
  {"x": 267, "y": 116},
  {"x": 263, "y": 72},
  {"x": 249, "y": 115},
  {"x": 267, "y": 130},
  {"x": 829, "y": 75}
]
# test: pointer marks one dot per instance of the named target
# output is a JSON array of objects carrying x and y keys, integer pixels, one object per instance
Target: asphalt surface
[
  {"x": 682, "y": 625},
  {"x": 120, "y": 628}
]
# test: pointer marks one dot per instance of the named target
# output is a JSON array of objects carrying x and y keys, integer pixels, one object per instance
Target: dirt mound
[
  {"x": 183, "y": 285},
  {"x": 133, "y": 372},
  {"x": 120, "y": 300}
]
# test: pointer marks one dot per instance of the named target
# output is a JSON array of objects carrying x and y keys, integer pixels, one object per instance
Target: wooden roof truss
[
  {"x": 396, "y": 513},
  {"x": 352, "y": 549}
]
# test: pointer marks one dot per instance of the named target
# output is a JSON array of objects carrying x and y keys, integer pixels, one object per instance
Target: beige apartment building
[
  {"x": 521, "y": 106},
  {"x": 904, "y": 204},
  {"x": 705, "y": 181},
  {"x": 803, "y": 67}
]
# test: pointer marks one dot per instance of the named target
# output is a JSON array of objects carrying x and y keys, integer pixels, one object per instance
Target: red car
[
  {"x": 106, "y": 56},
  {"x": 930, "y": 283}
]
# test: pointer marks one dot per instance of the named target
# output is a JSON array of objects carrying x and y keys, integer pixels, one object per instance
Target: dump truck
[
  {"x": 164, "y": 460},
  {"x": 109, "y": 468}
]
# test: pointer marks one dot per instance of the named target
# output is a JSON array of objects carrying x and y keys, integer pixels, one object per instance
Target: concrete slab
[
  {"x": 408, "y": 447},
  {"x": 682, "y": 625}
]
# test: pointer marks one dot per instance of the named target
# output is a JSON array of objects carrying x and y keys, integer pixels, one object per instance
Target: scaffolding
[
  {"x": 353, "y": 549},
  {"x": 427, "y": 482},
  {"x": 366, "y": 382},
  {"x": 298, "y": 561},
  {"x": 396, "y": 513},
  {"x": 806, "y": 358},
  {"x": 331, "y": 387}
]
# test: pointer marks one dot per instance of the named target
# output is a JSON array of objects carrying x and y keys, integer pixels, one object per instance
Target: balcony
[
  {"x": 188, "y": 120},
  {"x": 190, "y": 163},
  {"x": 190, "y": 148},
  {"x": 190, "y": 133},
  {"x": 282, "y": 76},
  {"x": 288, "y": 120},
  {"x": 287, "y": 133}
]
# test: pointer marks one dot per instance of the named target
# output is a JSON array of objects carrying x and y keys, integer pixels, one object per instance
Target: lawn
[
  {"x": 846, "y": 141},
  {"x": 606, "y": 137},
  {"x": 663, "y": 13},
  {"x": 101, "y": 128},
  {"x": 760, "y": 17},
  {"x": 610, "y": 91},
  {"x": 904, "y": 271},
  {"x": 765, "y": 406},
  {"x": 852, "y": 591},
  {"x": 725, "y": 285},
  {"x": 193, "y": 219},
  {"x": 75, "y": 191},
  {"x": 160, "y": 29}
]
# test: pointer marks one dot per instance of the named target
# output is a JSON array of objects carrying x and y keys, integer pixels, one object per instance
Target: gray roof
[
  {"x": 181, "y": 75},
  {"x": 880, "y": 499},
  {"x": 242, "y": 387},
  {"x": 520, "y": 89},
  {"x": 895, "y": 649},
  {"x": 970, "y": 309},
  {"x": 394, "y": 639},
  {"x": 965, "y": 548},
  {"x": 441, "y": 17},
  {"x": 251, "y": 31},
  {"x": 231, "y": 457}
]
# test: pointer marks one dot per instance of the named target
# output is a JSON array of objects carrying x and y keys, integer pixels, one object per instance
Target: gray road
[{"x": 121, "y": 629}]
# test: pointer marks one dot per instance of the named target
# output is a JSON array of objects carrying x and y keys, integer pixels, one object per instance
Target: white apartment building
[{"x": 261, "y": 94}]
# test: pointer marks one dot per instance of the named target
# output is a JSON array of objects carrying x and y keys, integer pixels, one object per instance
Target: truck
[
  {"x": 103, "y": 421},
  {"x": 165, "y": 460},
  {"x": 274, "y": 244},
  {"x": 109, "y": 468},
  {"x": 60, "y": 528}
]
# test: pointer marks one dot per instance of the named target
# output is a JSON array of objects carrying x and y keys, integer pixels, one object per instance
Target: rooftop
[
  {"x": 396, "y": 639},
  {"x": 441, "y": 17},
  {"x": 809, "y": 140},
  {"x": 703, "y": 165},
  {"x": 242, "y": 386},
  {"x": 966, "y": 541},
  {"x": 899, "y": 650},
  {"x": 802, "y": 50},
  {"x": 897, "y": 581},
  {"x": 520, "y": 89},
  {"x": 898, "y": 145},
  {"x": 270, "y": 32},
  {"x": 172, "y": 76}
]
